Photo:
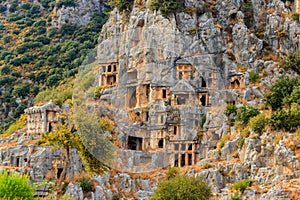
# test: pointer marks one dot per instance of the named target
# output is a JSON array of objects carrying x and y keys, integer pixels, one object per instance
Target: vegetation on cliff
[
  {"x": 36, "y": 55},
  {"x": 15, "y": 186}
]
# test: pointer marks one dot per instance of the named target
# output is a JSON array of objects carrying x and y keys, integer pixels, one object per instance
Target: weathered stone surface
[
  {"x": 80, "y": 14},
  {"x": 74, "y": 191}
]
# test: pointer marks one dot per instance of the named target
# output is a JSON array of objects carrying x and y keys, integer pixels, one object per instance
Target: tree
[
  {"x": 182, "y": 188},
  {"x": 282, "y": 88},
  {"x": 245, "y": 113},
  {"x": 167, "y": 7},
  {"x": 122, "y": 5},
  {"x": 66, "y": 137},
  {"x": 15, "y": 186},
  {"x": 291, "y": 62}
]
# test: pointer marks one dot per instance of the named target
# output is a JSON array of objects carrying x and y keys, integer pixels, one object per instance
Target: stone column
[{"x": 44, "y": 113}]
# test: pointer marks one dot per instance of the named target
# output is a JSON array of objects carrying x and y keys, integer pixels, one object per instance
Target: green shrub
[
  {"x": 294, "y": 97},
  {"x": 5, "y": 69},
  {"x": 234, "y": 196},
  {"x": 19, "y": 124},
  {"x": 66, "y": 3},
  {"x": 240, "y": 142},
  {"x": 242, "y": 185},
  {"x": 291, "y": 62},
  {"x": 21, "y": 90},
  {"x": 295, "y": 16},
  {"x": 281, "y": 89},
  {"x": 258, "y": 123},
  {"x": 86, "y": 184},
  {"x": 253, "y": 77},
  {"x": 245, "y": 113},
  {"x": 182, "y": 188},
  {"x": 2, "y": 8},
  {"x": 172, "y": 172},
  {"x": 122, "y": 5},
  {"x": 15, "y": 186},
  {"x": 231, "y": 109},
  {"x": 167, "y": 7},
  {"x": 287, "y": 120}
]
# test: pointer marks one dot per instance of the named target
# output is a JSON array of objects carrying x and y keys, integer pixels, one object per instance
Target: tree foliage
[
  {"x": 15, "y": 186},
  {"x": 32, "y": 48},
  {"x": 291, "y": 62},
  {"x": 245, "y": 113},
  {"x": 122, "y": 5},
  {"x": 282, "y": 89},
  {"x": 167, "y": 7},
  {"x": 182, "y": 188}
]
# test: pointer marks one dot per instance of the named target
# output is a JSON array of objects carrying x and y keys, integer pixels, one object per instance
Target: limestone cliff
[{"x": 165, "y": 83}]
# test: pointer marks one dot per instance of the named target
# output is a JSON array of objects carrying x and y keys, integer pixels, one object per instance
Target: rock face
[
  {"x": 165, "y": 83},
  {"x": 79, "y": 14}
]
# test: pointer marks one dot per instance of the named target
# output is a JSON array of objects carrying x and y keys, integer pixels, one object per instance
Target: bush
[
  {"x": 167, "y": 7},
  {"x": 295, "y": 16},
  {"x": 86, "y": 184},
  {"x": 245, "y": 113},
  {"x": 122, "y": 5},
  {"x": 291, "y": 62},
  {"x": 66, "y": 3},
  {"x": 258, "y": 123},
  {"x": 288, "y": 120},
  {"x": 15, "y": 186},
  {"x": 242, "y": 185},
  {"x": 172, "y": 172},
  {"x": 20, "y": 123},
  {"x": 2, "y": 8},
  {"x": 53, "y": 80},
  {"x": 253, "y": 77},
  {"x": 230, "y": 109},
  {"x": 282, "y": 88},
  {"x": 182, "y": 188},
  {"x": 21, "y": 90}
]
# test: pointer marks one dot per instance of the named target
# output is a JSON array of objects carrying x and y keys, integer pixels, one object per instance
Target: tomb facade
[{"x": 42, "y": 119}]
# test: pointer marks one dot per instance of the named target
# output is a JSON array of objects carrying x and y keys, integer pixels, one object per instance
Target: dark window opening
[
  {"x": 161, "y": 119},
  {"x": 235, "y": 84},
  {"x": 148, "y": 92},
  {"x": 135, "y": 143},
  {"x": 203, "y": 100},
  {"x": 59, "y": 171},
  {"x": 176, "y": 147},
  {"x": 190, "y": 160},
  {"x": 203, "y": 83},
  {"x": 176, "y": 160},
  {"x": 183, "y": 147},
  {"x": 180, "y": 75},
  {"x": 161, "y": 143},
  {"x": 175, "y": 130},
  {"x": 115, "y": 68},
  {"x": 147, "y": 116},
  {"x": 25, "y": 159},
  {"x": 181, "y": 99},
  {"x": 164, "y": 94},
  {"x": 49, "y": 127},
  {"x": 182, "y": 163},
  {"x": 190, "y": 147},
  {"x": 103, "y": 69},
  {"x": 18, "y": 162},
  {"x": 109, "y": 68}
]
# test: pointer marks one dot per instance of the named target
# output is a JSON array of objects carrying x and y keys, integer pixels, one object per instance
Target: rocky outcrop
[{"x": 79, "y": 14}]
